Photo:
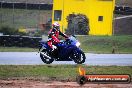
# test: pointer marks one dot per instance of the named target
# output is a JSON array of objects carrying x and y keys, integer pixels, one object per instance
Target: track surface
[{"x": 32, "y": 58}]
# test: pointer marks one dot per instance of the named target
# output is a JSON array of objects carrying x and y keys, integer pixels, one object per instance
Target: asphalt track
[{"x": 32, "y": 58}]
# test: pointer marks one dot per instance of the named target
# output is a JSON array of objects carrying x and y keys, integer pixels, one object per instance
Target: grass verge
[
  {"x": 92, "y": 44},
  {"x": 57, "y": 72},
  {"x": 23, "y": 18},
  {"x": 106, "y": 44}
]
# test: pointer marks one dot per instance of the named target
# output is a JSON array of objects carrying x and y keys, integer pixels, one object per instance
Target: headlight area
[{"x": 78, "y": 44}]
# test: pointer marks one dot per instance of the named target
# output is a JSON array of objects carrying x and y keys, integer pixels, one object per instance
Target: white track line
[{"x": 118, "y": 18}]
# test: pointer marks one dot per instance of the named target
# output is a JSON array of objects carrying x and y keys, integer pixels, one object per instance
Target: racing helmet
[{"x": 56, "y": 25}]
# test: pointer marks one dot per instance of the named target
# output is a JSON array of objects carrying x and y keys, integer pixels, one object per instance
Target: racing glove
[{"x": 54, "y": 47}]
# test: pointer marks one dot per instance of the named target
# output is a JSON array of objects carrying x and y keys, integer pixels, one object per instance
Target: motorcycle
[{"x": 67, "y": 50}]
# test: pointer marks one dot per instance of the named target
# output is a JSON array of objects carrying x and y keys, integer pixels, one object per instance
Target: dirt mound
[{"x": 123, "y": 26}]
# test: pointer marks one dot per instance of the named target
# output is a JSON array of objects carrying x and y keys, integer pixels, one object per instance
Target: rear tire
[{"x": 44, "y": 58}]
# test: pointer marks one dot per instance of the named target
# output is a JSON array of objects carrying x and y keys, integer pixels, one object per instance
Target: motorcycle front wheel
[
  {"x": 45, "y": 57},
  {"x": 79, "y": 57}
]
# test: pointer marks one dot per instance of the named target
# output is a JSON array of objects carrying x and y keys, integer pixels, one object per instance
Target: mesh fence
[{"x": 31, "y": 19}]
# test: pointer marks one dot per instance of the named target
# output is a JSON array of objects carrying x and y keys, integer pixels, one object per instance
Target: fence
[
  {"x": 19, "y": 41},
  {"x": 19, "y": 5},
  {"x": 24, "y": 15}
]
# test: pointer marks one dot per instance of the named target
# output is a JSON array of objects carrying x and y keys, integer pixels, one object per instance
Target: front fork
[{"x": 39, "y": 49}]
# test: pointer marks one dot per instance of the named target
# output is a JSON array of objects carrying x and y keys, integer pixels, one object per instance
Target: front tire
[
  {"x": 45, "y": 57},
  {"x": 79, "y": 57}
]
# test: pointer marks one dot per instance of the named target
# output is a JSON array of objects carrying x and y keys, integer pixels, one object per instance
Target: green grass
[
  {"x": 23, "y": 18},
  {"x": 57, "y": 72},
  {"x": 124, "y": 2},
  {"x": 92, "y": 44},
  {"x": 18, "y": 49},
  {"x": 106, "y": 44}
]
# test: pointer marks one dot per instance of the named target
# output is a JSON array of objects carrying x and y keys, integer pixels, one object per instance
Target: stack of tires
[
  {"x": 19, "y": 41},
  {"x": 78, "y": 24}
]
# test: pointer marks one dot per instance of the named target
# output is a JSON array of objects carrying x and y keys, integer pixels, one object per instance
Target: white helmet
[{"x": 56, "y": 25}]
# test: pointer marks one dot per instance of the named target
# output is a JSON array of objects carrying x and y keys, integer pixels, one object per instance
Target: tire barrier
[
  {"x": 41, "y": 6},
  {"x": 123, "y": 10},
  {"x": 77, "y": 24},
  {"x": 19, "y": 41}
]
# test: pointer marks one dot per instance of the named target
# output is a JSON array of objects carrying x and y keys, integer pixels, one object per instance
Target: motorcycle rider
[{"x": 53, "y": 36}]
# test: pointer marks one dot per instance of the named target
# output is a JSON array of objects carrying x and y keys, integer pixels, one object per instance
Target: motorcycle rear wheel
[{"x": 45, "y": 57}]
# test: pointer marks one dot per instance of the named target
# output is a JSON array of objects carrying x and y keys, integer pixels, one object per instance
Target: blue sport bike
[{"x": 67, "y": 50}]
